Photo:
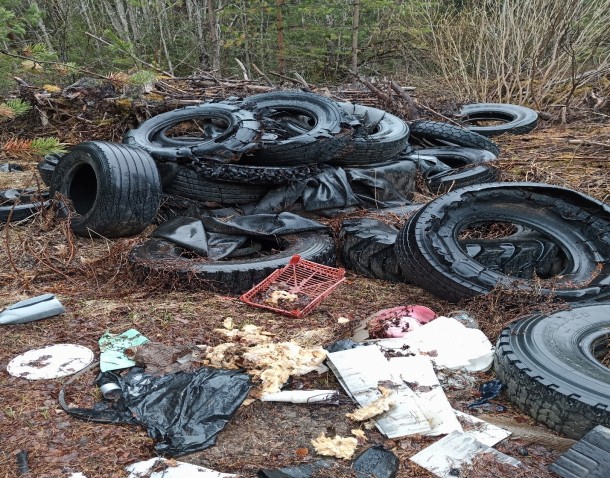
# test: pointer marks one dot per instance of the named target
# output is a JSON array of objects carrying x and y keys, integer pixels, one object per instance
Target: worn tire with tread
[
  {"x": 114, "y": 188},
  {"x": 515, "y": 119},
  {"x": 231, "y": 275},
  {"x": 550, "y": 368},
  {"x": 20, "y": 204},
  {"x": 434, "y": 133}
]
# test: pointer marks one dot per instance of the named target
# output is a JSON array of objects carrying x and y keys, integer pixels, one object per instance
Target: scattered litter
[
  {"x": 270, "y": 363},
  {"x": 398, "y": 321},
  {"x": 29, "y": 310},
  {"x": 183, "y": 412},
  {"x": 375, "y": 462},
  {"x": 360, "y": 371},
  {"x": 448, "y": 343},
  {"x": 480, "y": 430},
  {"x": 339, "y": 447},
  {"x": 52, "y": 361},
  {"x": 326, "y": 397},
  {"x": 589, "y": 457},
  {"x": 446, "y": 457},
  {"x": 359, "y": 434},
  {"x": 417, "y": 372},
  {"x": 161, "y": 359},
  {"x": 377, "y": 407},
  {"x": 163, "y": 468},
  {"x": 465, "y": 318},
  {"x": 23, "y": 468},
  {"x": 343, "y": 320},
  {"x": 113, "y": 346},
  {"x": 296, "y": 288},
  {"x": 77, "y": 475},
  {"x": 488, "y": 390}
]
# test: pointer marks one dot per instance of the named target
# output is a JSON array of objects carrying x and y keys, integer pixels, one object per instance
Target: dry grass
[{"x": 94, "y": 280}]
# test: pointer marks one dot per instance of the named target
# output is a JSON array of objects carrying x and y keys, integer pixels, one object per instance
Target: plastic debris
[
  {"x": 465, "y": 318},
  {"x": 589, "y": 457},
  {"x": 29, "y": 310},
  {"x": 446, "y": 457},
  {"x": 303, "y": 396},
  {"x": 338, "y": 446},
  {"x": 480, "y": 430},
  {"x": 52, "y": 361},
  {"x": 448, "y": 343},
  {"x": 23, "y": 468},
  {"x": 162, "y": 468},
  {"x": 113, "y": 346},
  {"x": 488, "y": 390},
  {"x": 398, "y": 321}
]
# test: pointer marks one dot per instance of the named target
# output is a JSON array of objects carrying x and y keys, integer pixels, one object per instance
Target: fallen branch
[{"x": 586, "y": 142}]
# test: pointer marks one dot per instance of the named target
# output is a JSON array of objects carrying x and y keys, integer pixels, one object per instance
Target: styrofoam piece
[
  {"x": 482, "y": 431},
  {"x": 448, "y": 343},
  {"x": 301, "y": 396},
  {"x": 418, "y": 373},
  {"x": 360, "y": 371},
  {"x": 452, "y": 452},
  {"x": 52, "y": 361},
  {"x": 175, "y": 469}
]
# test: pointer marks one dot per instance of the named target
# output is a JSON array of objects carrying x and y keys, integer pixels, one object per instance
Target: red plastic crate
[{"x": 311, "y": 283}]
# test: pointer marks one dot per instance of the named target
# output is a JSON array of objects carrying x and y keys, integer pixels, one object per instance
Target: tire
[
  {"x": 20, "y": 204},
  {"x": 114, "y": 188},
  {"x": 47, "y": 166},
  {"x": 469, "y": 166},
  {"x": 550, "y": 369},
  {"x": 239, "y": 134},
  {"x": 516, "y": 119},
  {"x": 245, "y": 174},
  {"x": 433, "y": 133},
  {"x": 308, "y": 145},
  {"x": 189, "y": 183},
  {"x": 367, "y": 247},
  {"x": 429, "y": 252},
  {"x": 232, "y": 275},
  {"x": 381, "y": 137}
]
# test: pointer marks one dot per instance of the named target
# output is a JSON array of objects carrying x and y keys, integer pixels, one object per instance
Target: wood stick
[
  {"x": 411, "y": 106},
  {"x": 259, "y": 71}
]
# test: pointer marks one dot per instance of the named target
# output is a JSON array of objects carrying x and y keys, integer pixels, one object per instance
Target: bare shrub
[{"x": 529, "y": 52}]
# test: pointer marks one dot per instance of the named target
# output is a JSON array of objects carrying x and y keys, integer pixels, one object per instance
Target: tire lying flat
[
  {"x": 514, "y": 119},
  {"x": 114, "y": 188},
  {"x": 433, "y": 133},
  {"x": 20, "y": 204},
  {"x": 550, "y": 366},
  {"x": 235, "y": 275},
  {"x": 428, "y": 247}
]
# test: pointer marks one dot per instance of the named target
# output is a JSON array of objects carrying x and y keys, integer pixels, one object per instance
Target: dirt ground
[{"x": 101, "y": 293}]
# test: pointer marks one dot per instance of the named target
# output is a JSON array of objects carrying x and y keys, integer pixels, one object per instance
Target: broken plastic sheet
[
  {"x": 113, "y": 346},
  {"x": 375, "y": 462},
  {"x": 217, "y": 239},
  {"x": 162, "y": 468},
  {"x": 183, "y": 412},
  {"x": 386, "y": 185}
]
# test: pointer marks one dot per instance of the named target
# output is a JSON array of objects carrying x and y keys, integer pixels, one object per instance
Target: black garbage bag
[
  {"x": 384, "y": 185},
  {"x": 183, "y": 412}
]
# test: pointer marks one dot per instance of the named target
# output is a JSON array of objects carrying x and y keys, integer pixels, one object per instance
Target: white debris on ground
[
  {"x": 171, "y": 469},
  {"x": 302, "y": 396},
  {"x": 377, "y": 407},
  {"x": 339, "y": 447},
  {"x": 343, "y": 320},
  {"x": 278, "y": 295},
  {"x": 270, "y": 363}
]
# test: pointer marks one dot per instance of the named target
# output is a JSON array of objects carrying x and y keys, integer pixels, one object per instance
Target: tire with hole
[
  {"x": 433, "y": 133},
  {"x": 468, "y": 166},
  {"x": 190, "y": 183},
  {"x": 551, "y": 367},
  {"x": 234, "y": 275},
  {"x": 318, "y": 142},
  {"x": 428, "y": 247},
  {"x": 20, "y": 204},
  {"x": 114, "y": 188},
  {"x": 514, "y": 119},
  {"x": 239, "y": 133},
  {"x": 380, "y": 137}
]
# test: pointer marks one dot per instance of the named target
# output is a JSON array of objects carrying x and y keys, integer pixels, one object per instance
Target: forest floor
[{"x": 94, "y": 281}]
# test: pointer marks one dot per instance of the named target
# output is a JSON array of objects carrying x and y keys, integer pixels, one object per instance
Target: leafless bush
[{"x": 529, "y": 52}]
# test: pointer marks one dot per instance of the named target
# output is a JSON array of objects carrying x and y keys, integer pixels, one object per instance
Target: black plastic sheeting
[
  {"x": 217, "y": 239},
  {"x": 376, "y": 462},
  {"x": 183, "y": 412},
  {"x": 488, "y": 391},
  {"x": 384, "y": 185}
]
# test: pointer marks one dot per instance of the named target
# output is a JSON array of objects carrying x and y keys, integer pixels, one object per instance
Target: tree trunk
[
  {"x": 214, "y": 35},
  {"x": 355, "y": 31},
  {"x": 281, "y": 50}
]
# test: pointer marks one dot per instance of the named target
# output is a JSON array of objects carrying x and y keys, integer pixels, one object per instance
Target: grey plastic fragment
[
  {"x": 29, "y": 310},
  {"x": 589, "y": 457}
]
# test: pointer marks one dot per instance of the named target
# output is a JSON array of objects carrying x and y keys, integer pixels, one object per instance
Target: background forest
[{"x": 530, "y": 52}]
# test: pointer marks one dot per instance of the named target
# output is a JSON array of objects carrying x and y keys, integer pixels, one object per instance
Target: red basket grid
[{"x": 311, "y": 282}]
